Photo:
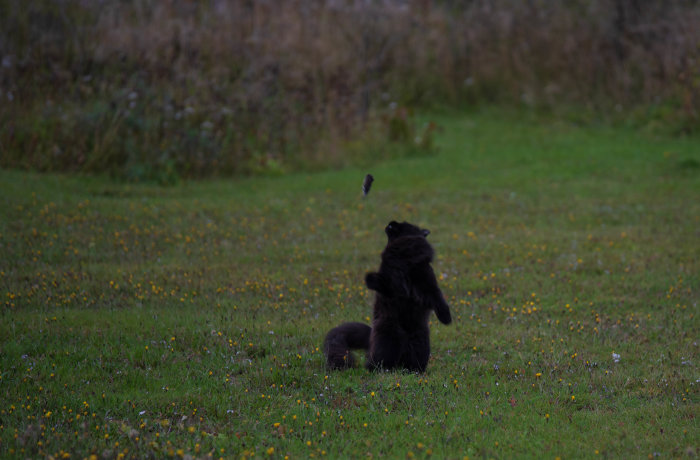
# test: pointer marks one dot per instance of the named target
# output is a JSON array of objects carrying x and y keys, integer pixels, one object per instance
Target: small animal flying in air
[{"x": 367, "y": 184}]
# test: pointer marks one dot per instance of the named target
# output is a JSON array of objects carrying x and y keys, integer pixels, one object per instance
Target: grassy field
[{"x": 141, "y": 321}]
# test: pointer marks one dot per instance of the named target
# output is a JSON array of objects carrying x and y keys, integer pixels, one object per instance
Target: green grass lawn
[{"x": 140, "y": 321}]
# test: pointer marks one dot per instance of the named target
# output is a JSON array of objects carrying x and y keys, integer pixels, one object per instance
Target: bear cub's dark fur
[{"x": 406, "y": 291}]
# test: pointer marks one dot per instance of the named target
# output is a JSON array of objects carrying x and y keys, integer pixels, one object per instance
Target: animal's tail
[{"x": 340, "y": 340}]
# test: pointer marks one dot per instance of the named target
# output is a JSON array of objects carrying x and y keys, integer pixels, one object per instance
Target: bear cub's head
[{"x": 397, "y": 230}]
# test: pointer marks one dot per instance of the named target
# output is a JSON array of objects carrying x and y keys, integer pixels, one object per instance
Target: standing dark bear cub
[{"x": 406, "y": 292}]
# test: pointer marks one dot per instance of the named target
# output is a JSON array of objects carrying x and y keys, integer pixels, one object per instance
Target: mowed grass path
[{"x": 140, "y": 321}]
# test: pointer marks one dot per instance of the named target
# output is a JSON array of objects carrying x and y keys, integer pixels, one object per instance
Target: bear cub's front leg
[{"x": 377, "y": 282}]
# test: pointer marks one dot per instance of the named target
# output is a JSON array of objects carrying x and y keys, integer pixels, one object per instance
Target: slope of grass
[{"x": 140, "y": 321}]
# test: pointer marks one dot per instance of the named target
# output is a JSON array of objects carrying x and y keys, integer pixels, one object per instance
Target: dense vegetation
[{"x": 155, "y": 90}]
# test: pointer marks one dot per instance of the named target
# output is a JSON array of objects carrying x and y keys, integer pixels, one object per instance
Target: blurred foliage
[{"x": 151, "y": 90}]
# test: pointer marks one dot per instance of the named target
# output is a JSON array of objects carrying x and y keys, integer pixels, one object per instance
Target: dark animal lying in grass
[{"x": 406, "y": 292}]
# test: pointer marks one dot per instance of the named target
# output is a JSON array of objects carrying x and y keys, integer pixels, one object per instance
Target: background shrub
[{"x": 147, "y": 89}]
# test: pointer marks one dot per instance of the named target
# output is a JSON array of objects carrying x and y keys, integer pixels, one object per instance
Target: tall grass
[{"x": 150, "y": 89}]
